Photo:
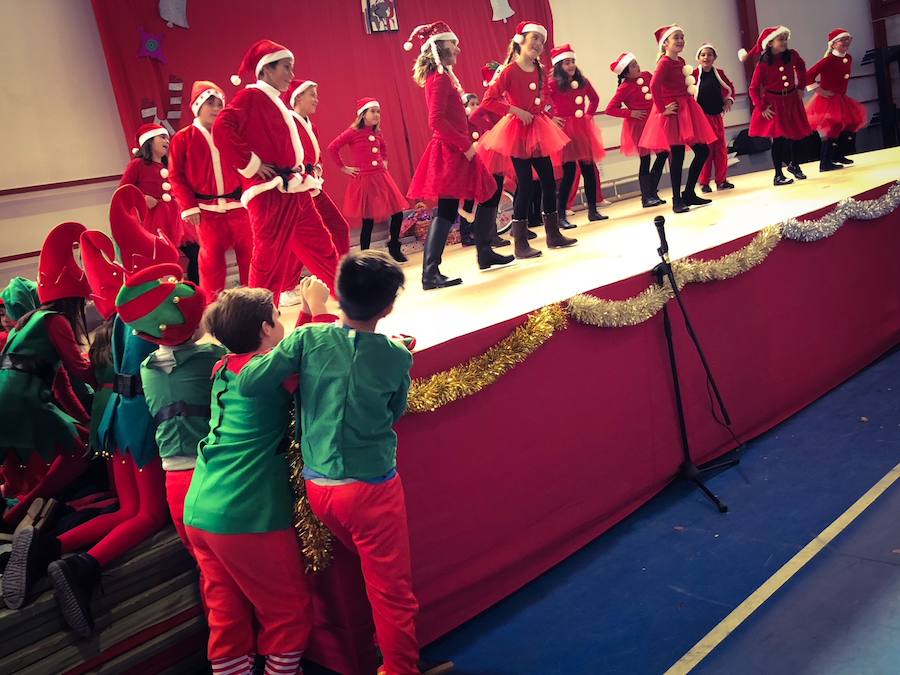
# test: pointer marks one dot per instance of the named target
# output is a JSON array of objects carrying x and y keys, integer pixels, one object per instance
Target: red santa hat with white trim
[
  {"x": 834, "y": 36},
  {"x": 662, "y": 34},
  {"x": 144, "y": 133},
  {"x": 561, "y": 53},
  {"x": 201, "y": 91},
  {"x": 526, "y": 27},
  {"x": 59, "y": 274},
  {"x": 428, "y": 35},
  {"x": 765, "y": 38},
  {"x": 709, "y": 45},
  {"x": 297, "y": 88},
  {"x": 261, "y": 53},
  {"x": 622, "y": 62},
  {"x": 364, "y": 104}
]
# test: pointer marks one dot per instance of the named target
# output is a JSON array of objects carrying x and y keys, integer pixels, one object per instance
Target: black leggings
[
  {"x": 365, "y": 234},
  {"x": 645, "y": 169},
  {"x": 544, "y": 168},
  {"x": 568, "y": 180},
  {"x": 782, "y": 153},
  {"x": 192, "y": 252},
  {"x": 676, "y": 161}
]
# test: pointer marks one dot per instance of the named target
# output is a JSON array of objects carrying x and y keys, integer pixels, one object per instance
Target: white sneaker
[{"x": 290, "y": 298}]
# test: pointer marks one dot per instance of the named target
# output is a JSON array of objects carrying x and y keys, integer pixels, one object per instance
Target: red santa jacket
[
  {"x": 566, "y": 103},
  {"x": 446, "y": 112},
  {"x": 669, "y": 81},
  {"x": 482, "y": 120},
  {"x": 256, "y": 127},
  {"x": 513, "y": 86},
  {"x": 833, "y": 72},
  {"x": 631, "y": 95},
  {"x": 777, "y": 78},
  {"x": 728, "y": 90},
  {"x": 151, "y": 178},
  {"x": 195, "y": 168},
  {"x": 309, "y": 137},
  {"x": 368, "y": 150}
]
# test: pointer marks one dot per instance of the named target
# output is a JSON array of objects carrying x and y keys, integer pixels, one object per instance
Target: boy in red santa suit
[
  {"x": 715, "y": 94},
  {"x": 208, "y": 192},
  {"x": 258, "y": 135}
]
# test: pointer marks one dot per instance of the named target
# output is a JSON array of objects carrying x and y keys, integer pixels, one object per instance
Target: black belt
[
  {"x": 234, "y": 194},
  {"x": 783, "y": 92},
  {"x": 183, "y": 409},
  {"x": 28, "y": 364},
  {"x": 285, "y": 175},
  {"x": 128, "y": 386}
]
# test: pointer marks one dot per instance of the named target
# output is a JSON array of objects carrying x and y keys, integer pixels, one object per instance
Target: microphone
[{"x": 660, "y": 224}]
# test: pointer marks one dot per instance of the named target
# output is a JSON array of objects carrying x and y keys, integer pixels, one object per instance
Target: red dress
[
  {"x": 779, "y": 84},
  {"x": 832, "y": 115},
  {"x": 151, "y": 179},
  {"x": 586, "y": 143},
  {"x": 372, "y": 193},
  {"x": 688, "y": 126},
  {"x": 511, "y": 137},
  {"x": 632, "y": 95},
  {"x": 443, "y": 171}
]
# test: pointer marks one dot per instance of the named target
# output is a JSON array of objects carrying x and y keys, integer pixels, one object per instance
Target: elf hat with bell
[
  {"x": 144, "y": 133},
  {"x": 59, "y": 274},
  {"x": 202, "y": 91},
  {"x": 261, "y": 53},
  {"x": 105, "y": 275},
  {"x": 137, "y": 247}
]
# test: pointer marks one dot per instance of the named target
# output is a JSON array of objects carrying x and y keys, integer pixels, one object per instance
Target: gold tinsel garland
[
  {"x": 314, "y": 538},
  {"x": 426, "y": 394}
]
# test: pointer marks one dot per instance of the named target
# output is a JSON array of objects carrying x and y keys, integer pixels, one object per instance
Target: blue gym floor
[{"x": 635, "y": 600}]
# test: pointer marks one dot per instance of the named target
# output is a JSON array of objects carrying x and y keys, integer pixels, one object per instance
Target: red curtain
[{"x": 330, "y": 46}]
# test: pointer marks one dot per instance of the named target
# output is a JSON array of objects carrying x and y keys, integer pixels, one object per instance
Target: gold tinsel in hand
[
  {"x": 471, "y": 377},
  {"x": 314, "y": 538}
]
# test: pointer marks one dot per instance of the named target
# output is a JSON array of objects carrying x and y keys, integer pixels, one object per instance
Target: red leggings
[
  {"x": 177, "y": 485},
  {"x": 718, "y": 153},
  {"x": 142, "y": 513},
  {"x": 217, "y": 233},
  {"x": 37, "y": 479}
]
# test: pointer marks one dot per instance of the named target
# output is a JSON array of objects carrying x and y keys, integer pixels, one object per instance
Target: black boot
[
  {"x": 693, "y": 199},
  {"x": 795, "y": 169},
  {"x": 555, "y": 239},
  {"x": 653, "y": 185},
  {"x": 434, "y": 251},
  {"x": 825, "y": 155},
  {"x": 31, "y": 552},
  {"x": 844, "y": 148},
  {"x": 396, "y": 252},
  {"x": 74, "y": 580},
  {"x": 485, "y": 224},
  {"x": 499, "y": 242},
  {"x": 678, "y": 205},
  {"x": 594, "y": 215},
  {"x": 520, "y": 239},
  {"x": 466, "y": 237},
  {"x": 564, "y": 223}
]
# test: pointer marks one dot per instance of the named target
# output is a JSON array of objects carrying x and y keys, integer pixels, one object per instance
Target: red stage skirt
[
  {"x": 444, "y": 172},
  {"x": 789, "y": 120},
  {"x": 632, "y": 129},
  {"x": 511, "y": 137},
  {"x": 836, "y": 114},
  {"x": 586, "y": 144},
  {"x": 688, "y": 126},
  {"x": 373, "y": 194}
]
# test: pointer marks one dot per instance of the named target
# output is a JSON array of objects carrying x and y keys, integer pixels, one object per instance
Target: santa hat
[
  {"x": 161, "y": 307},
  {"x": 428, "y": 35},
  {"x": 295, "y": 90},
  {"x": 620, "y": 64},
  {"x": 137, "y": 247},
  {"x": 20, "y": 297},
  {"x": 526, "y": 27},
  {"x": 707, "y": 45},
  {"x": 144, "y": 133},
  {"x": 201, "y": 91},
  {"x": 59, "y": 274},
  {"x": 364, "y": 104},
  {"x": 489, "y": 71},
  {"x": 104, "y": 274},
  {"x": 836, "y": 35},
  {"x": 663, "y": 33},
  {"x": 261, "y": 52},
  {"x": 765, "y": 37},
  {"x": 561, "y": 53}
]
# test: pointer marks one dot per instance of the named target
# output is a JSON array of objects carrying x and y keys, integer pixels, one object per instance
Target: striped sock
[
  {"x": 284, "y": 664},
  {"x": 233, "y": 665}
]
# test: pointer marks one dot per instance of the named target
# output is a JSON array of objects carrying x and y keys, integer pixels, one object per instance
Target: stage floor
[{"x": 612, "y": 250}]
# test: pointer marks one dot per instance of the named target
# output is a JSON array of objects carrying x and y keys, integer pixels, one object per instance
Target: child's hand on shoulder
[{"x": 315, "y": 294}]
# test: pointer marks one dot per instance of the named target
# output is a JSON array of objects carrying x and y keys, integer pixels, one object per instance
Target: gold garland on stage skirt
[{"x": 314, "y": 538}]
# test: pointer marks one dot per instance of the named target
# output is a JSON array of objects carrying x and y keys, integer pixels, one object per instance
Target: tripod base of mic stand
[{"x": 690, "y": 471}]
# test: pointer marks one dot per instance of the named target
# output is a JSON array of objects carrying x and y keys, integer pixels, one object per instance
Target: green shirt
[
  {"x": 190, "y": 382},
  {"x": 353, "y": 388}
]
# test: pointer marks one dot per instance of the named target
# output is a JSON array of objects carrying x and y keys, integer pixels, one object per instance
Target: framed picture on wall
[{"x": 380, "y": 16}]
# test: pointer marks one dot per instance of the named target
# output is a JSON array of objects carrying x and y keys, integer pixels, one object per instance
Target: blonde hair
[
  {"x": 423, "y": 67},
  {"x": 514, "y": 50}
]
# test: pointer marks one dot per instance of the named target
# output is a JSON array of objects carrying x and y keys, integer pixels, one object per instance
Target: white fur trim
[
  {"x": 147, "y": 135},
  {"x": 252, "y": 167},
  {"x": 838, "y": 37},
  {"x": 272, "y": 57},
  {"x": 707, "y": 45},
  {"x": 774, "y": 34},
  {"x": 530, "y": 28},
  {"x": 301, "y": 88},
  {"x": 435, "y": 38},
  {"x": 286, "y": 115},
  {"x": 370, "y": 104},
  {"x": 308, "y": 127},
  {"x": 562, "y": 57},
  {"x": 190, "y": 212},
  {"x": 665, "y": 36},
  {"x": 215, "y": 159},
  {"x": 205, "y": 94},
  {"x": 812, "y": 87},
  {"x": 624, "y": 63}
]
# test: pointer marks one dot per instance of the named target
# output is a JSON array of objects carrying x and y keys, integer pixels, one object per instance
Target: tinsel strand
[
  {"x": 844, "y": 210},
  {"x": 314, "y": 538}
]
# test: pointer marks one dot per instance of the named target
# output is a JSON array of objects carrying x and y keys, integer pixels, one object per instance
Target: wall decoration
[{"x": 380, "y": 16}]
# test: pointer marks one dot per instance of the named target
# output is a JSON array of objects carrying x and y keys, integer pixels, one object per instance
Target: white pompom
[
  {"x": 475, "y": 135},
  {"x": 236, "y": 80},
  {"x": 167, "y": 186},
  {"x": 742, "y": 54},
  {"x": 532, "y": 86},
  {"x": 579, "y": 100},
  {"x": 640, "y": 80},
  {"x": 648, "y": 97},
  {"x": 687, "y": 70},
  {"x": 135, "y": 151},
  {"x": 692, "y": 90},
  {"x": 441, "y": 68},
  {"x": 164, "y": 172},
  {"x": 166, "y": 197},
  {"x": 573, "y": 84},
  {"x": 485, "y": 83},
  {"x": 645, "y": 89},
  {"x": 689, "y": 80},
  {"x": 407, "y": 46},
  {"x": 579, "y": 113}
]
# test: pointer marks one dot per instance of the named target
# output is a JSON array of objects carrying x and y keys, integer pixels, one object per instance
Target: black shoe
[
  {"x": 564, "y": 224},
  {"x": 705, "y": 189},
  {"x": 843, "y": 160},
  {"x": 396, "y": 252},
  {"x": 488, "y": 259},
  {"x": 499, "y": 242},
  {"x": 678, "y": 206},
  {"x": 724, "y": 185},
  {"x": 439, "y": 281},
  {"x": 466, "y": 239},
  {"x": 31, "y": 553},
  {"x": 435, "y": 667},
  {"x": 657, "y": 198},
  {"x": 781, "y": 179},
  {"x": 829, "y": 166},
  {"x": 795, "y": 169},
  {"x": 594, "y": 215},
  {"x": 73, "y": 582},
  {"x": 691, "y": 199}
]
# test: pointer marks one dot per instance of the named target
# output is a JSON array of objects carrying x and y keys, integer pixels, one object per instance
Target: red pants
[
  {"x": 142, "y": 513},
  {"x": 217, "y": 233},
  {"x": 256, "y": 592},
  {"x": 36, "y": 479},
  {"x": 370, "y": 519},
  {"x": 177, "y": 485},
  {"x": 718, "y": 152},
  {"x": 288, "y": 223}
]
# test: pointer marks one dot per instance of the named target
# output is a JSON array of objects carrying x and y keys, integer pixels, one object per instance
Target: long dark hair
[
  {"x": 768, "y": 56},
  {"x": 146, "y": 153},
  {"x": 100, "y": 352},
  {"x": 71, "y": 308},
  {"x": 514, "y": 50},
  {"x": 562, "y": 77}
]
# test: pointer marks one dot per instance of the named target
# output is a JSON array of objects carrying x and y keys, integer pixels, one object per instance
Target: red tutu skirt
[
  {"x": 836, "y": 114},
  {"x": 496, "y": 163},
  {"x": 586, "y": 144},
  {"x": 631, "y": 136},
  {"x": 373, "y": 194},
  {"x": 688, "y": 126},
  {"x": 511, "y": 137},
  {"x": 165, "y": 218},
  {"x": 444, "y": 172},
  {"x": 789, "y": 120}
]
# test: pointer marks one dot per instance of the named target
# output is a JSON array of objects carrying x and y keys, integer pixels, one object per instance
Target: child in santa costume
[
  {"x": 776, "y": 90},
  {"x": 632, "y": 103},
  {"x": 372, "y": 194},
  {"x": 575, "y": 103},
  {"x": 837, "y": 116},
  {"x": 676, "y": 120},
  {"x": 526, "y": 134},
  {"x": 715, "y": 94},
  {"x": 238, "y": 512},
  {"x": 449, "y": 170},
  {"x": 258, "y": 135},
  {"x": 348, "y": 443},
  {"x": 208, "y": 192}
]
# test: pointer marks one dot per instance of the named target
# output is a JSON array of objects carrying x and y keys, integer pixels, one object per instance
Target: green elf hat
[
  {"x": 20, "y": 297},
  {"x": 159, "y": 306}
]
